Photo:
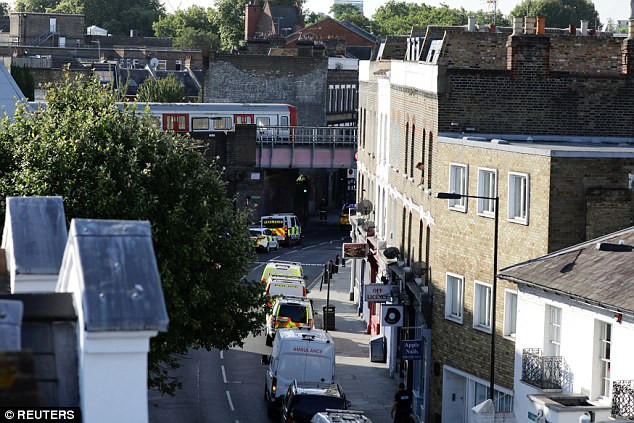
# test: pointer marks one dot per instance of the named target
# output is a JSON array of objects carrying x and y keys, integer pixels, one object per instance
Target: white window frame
[
  {"x": 454, "y": 300},
  {"x": 482, "y": 306},
  {"x": 552, "y": 341},
  {"x": 487, "y": 187},
  {"x": 510, "y": 313},
  {"x": 518, "y": 213},
  {"x": 604, "y": 360},
  {"x": 458, "y": 183}
]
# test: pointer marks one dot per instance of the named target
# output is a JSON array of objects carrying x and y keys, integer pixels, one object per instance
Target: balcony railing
[
  {"x": 542, "y": 372},
  {"x": 623, "y": 399}
]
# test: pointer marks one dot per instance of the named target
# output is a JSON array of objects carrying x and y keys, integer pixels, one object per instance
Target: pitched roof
[
  {"x": 10, "y": 93},
  {"x": 599, "y": 272}
]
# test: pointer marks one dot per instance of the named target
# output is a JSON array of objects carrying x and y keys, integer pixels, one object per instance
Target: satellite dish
[
  {"x": 154, "y": 62},
  {"x": 364, "y": 207},
  {"x": 368, "y": 225},
  {"x": 391, "y": 253}
]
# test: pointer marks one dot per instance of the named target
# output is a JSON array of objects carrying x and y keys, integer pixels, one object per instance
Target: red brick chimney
[{"x": 252, "y": 18}]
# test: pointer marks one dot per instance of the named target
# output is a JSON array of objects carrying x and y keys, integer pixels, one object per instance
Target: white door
[
  {"x": 453, "y": 397},
  {"x": 52, "y": 25}
]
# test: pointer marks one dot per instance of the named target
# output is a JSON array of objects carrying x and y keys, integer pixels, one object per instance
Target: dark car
[{"x": 304, "y": 400}]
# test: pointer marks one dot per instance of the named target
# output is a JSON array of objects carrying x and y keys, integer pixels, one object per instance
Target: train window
[
  {"x": 263, "y": 121},
  {"x": 244, "y": 119},
  {"x": 175, "y": 122},
  {"x": 200, "y": 123},
  {"x": 284, "y": 121},
  {"x": 222, "y": 123}
]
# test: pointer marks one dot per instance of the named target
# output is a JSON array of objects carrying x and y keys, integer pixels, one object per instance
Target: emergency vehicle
[
  {"x": 263, "y": 239},
  {"x": 302, "y": 354},
  {"x": 288, "y": 312},
  {"x": 282, "y": 268},
  {"x": 285, "y": 225},
  {"x": 285, "y": 285}
]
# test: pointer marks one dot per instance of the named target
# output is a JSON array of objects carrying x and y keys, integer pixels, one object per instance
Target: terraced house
[{"x": 535, "y": 123}]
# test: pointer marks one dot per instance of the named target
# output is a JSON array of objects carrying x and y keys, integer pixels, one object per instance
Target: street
[{"x": 228, "y": 386}]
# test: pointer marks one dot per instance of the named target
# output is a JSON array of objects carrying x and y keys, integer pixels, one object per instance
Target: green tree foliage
[
  {"x": 164, "y": 90},
  {"x": 560, "y": 13},
  {"x": 5, "y": 8},
  {"x": 350, "y": 13},
  {"x": 313, "y": 17},
  {"x": 24, "y": 78},
  {"x": 192, "y": 28},
  {"x": 398, "y": 18},
  {"x": 107, "y": 163},
  {"x": 229, "y": 17},
  {"x": 39, "y": 6}
]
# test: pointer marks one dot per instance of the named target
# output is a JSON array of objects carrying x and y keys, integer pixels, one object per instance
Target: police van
[
  {"x": 303, "y": 354},
  {"x": 285, "y": 225}
]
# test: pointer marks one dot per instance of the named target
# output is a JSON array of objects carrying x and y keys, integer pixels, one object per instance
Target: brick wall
[{"x": 300, "y": 81}]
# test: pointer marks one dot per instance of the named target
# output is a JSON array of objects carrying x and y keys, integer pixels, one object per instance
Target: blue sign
[{"x": 412, "y": 349}]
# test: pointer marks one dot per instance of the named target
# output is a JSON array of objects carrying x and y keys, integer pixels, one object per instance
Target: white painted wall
[{"x": 578, "y": 347}]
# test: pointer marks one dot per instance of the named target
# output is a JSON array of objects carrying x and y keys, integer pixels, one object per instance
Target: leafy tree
[
  {"x": 164, "y": 90},
  {"x": 69, "y": 6},
  {"x": 229, "y": 17},
  {"x": 121, "y": 16},
  {"x": 560, "y": 13},
  {"x": 38, "y": 6},
  {"x": 190, "y": 29},
  {"x": 313, "y": 17},
  {"x": 5, "y": 8},
  {"x": 107, "y": 163},
  {"x": 398, "y": 18},
  {"x": 350, "y": 13}
]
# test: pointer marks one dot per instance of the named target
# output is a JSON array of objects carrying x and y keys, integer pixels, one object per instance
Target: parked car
[
  {"x": 340, "y": 416},
  {"x": 347, "y": 210},
  {"x": 288, "y": 312},
  {"x": 303, "y": 400},
  {"x": 263, "y": 239}
]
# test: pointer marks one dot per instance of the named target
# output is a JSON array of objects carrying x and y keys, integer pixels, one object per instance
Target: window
[
  {"x": 263, "y": 121},
  {"x": 605, "y": 341},
  {"x": 510, "y": 313},
  {"x": 518, "y": 197},
  {"x": 482, "y": 307},
  {"x": 553, "y": 331},
  {"x": 487, "y": 187},
  {"x": 200, "y": 123},
  {"x": 222, "y": 123},
  {"x": 458, "y": 185},
  {"x": 503, "y": 402},
  {"x": 284, "y": 121},
  {"x": 454, "y": 302}
]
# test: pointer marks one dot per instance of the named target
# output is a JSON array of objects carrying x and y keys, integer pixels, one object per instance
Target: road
[{"x": 228, "y": 386}]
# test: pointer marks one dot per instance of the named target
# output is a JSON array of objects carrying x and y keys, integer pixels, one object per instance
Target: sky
[{"x": 615, "y": 9}]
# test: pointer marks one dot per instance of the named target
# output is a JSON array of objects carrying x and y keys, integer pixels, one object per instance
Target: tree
[
  {"x": 163, "y": 90},
  {"x": 121, "y": 16},
  {"x": 107, "y": 163},
  {"x": 313, "y": 17},
  {"x": 560, "y": 13},
  {"x": 37, "y": 6},
  {"x": 191, "y": 28},
  {"x": 229, "y": 17},
  {"x": 398, "y": 18},
  {"x": 350, "y": 13},
  {"x": 5, "y": 8}
]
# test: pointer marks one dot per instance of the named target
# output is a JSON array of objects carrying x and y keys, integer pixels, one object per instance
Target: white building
[{"x": 575, "y": 332}]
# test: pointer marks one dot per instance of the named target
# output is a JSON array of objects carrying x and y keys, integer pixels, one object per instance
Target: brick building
[{"x": 518, "y": 114}]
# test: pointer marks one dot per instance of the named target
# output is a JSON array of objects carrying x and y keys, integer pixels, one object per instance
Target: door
[
  {"x": 453, "y": 397},
  {"x": 52, "y": 25}
]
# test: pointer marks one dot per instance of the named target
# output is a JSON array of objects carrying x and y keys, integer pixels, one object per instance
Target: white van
[
  {"x": 285, "y": 225},
  {"x": 285, "y": 285},
  {"x": 303, "y": 354},
  {"x": 282, "y": 268}
]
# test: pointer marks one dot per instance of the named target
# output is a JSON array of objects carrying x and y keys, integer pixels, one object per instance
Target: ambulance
[
  {"x": 303, "y": 354},
  {"x": 285, "y": 225},
  {"x": 282, "y": 268}
]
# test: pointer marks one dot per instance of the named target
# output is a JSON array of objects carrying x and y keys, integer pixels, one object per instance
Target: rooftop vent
[{"x": 620, "y": 247}]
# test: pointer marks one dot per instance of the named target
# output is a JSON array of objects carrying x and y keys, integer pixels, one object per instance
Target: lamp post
[{"x": 455, "y": 196}]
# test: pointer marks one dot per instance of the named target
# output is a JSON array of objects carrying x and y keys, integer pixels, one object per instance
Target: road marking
[
  {"x": 230, "y": 402},
  {"x": 224, "y": 374},
  {"x": 222, "y": 354}
]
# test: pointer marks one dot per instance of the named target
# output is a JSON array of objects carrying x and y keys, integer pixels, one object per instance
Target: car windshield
[
  {"x": 295, "y": 312},
  {"x": 254, "y": 232},
  {"x": 306, "y": 406}
]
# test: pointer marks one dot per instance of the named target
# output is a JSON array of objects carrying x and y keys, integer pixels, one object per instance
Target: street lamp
[{"x": 455, "y": 196}]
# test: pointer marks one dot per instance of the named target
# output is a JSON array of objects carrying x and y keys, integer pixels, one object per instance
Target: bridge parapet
[{"x": 306, "y": 147}]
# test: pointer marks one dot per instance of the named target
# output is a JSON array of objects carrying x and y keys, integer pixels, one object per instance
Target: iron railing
[
  {"x": 340, "y": 135},
  {"x": 623, "y": 399},
  {"x": 542, "y": 372}
]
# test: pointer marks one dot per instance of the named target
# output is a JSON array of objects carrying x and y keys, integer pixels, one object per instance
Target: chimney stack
[
  {"x": 517, "y": 25},
  {"x": 584, "y": 27},
  {"x": 472, "y": 23},
  {"x": 541, "y": 25},
  {"x": 529, "y": 27}
]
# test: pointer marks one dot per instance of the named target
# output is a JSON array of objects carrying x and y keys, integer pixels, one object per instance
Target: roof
[
  {"x": 10, "y": 93},
  {"x": 598, "y": 272},
  {"x": 115, "y": 266},
  {"x": 358, "y": 30},
  {"x": 35, "y": 234}
]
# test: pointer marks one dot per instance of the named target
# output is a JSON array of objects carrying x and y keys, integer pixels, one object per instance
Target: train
[{"x": 206, "y": 118}]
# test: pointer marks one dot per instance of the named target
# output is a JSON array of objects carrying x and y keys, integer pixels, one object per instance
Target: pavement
[{"x": 368, "y": 385}]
